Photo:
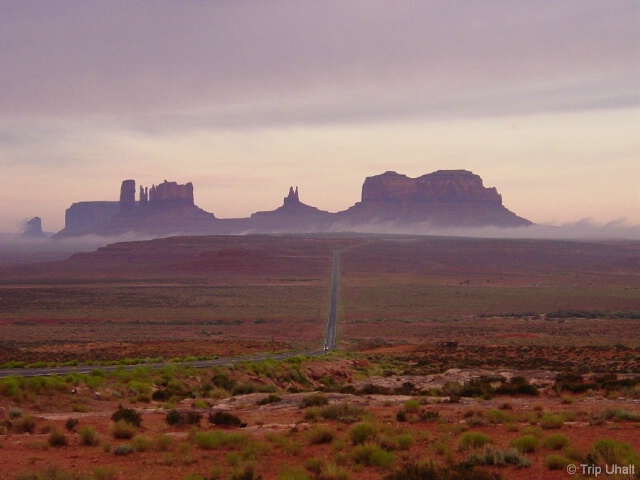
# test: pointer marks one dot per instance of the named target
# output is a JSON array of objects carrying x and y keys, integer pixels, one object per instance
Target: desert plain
[{"x": 456, "y": 358}]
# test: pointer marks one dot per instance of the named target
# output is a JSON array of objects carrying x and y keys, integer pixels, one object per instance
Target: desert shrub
[
  {"x": 71, "y": 424},
  {"x": 224, "y": 418},
  {"x": 250, "y": 387},
  {"x": 498, "y": 457},
  {"x": 526, "y": 443},
  {"x": 372, "y": 455},
  {"x": 622, "y": 415},
  {"x": 312, "y": 414},
  {"x": 497, "y": 416},
  {"x": 15, "y": 412},
  {"x": 612, "y": 452},
  {"x": 429, "y": 415},
  {"x": 271, "y": 398},
  {"x": 141, "y": 443},
  {"x": 128, "y": 415},
  {"x": 473, "y": 440},
  {"x": 430, "y": 471},
  {"x": 320, "y": 434},
  {"x": 162, "y": 442},
  {"x": 411, "y": 406},
  {"x": 555, "y": 441},
  {"x": 223, "y": 381},
  {"x": 343, "y": 412},
  {"x": 216, "y": 439},
  {"x": 57, "y": 439},
  {"x": 405, "y": 441},
  {"x": 293, "y": 473},
  {"x": 479, "y": 387},
  {"x": 246, "y": 474},
  {"x": 551, "y": 420},
  {"x": 313, "y": 400},
  {"x": 88, "y": 436},
  {"x": 315, "y": 465},
  {"x": 124, "y": 430},
  {"x": 517, "y": 386},
  {"x": 176, "y": 418},
  {"x": 362, "y": 432},
  {"x": 24, "y": 424},
  {"x": 105, "y": 473},
  {"x": 122, "y": 450},
  {"x": 401, "y": 416},
  {"x": 556, "y": 462},
  {"x": 52, "y": 473}
]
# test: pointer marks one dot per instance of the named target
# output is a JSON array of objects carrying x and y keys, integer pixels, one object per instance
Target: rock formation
[
  {"x": 444, "y": 198},
  {"x": 292, "y": 216},
  {"x": 440, "y": 186},
  {"x": 33, "y": 228},
  {"x": 128, "y": 195},
  {"x": 82, "y": 217}
]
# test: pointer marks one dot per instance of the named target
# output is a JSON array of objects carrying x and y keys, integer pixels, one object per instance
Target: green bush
[
  {"x": 473, "y": 439},
  {"x": 551, "y": 420},
  {"x": 217, "y": 438},
  {"x": 141, "y": 443},
  {"x": 52, "y": 473},
  {"x": 313, "y": 400},
  {"x": 556, "y": 462},
  {"x": 124, "y": 430},
  {"x": 320, "y": 434},
  {"x": 429, "y": 471},
  {"x": 555, "y": 441},
  {"x": 372, "y": 455},
  {"x": 224, "y": 419},
  {"x": 57, "y": 439},
  {"x": 498, "y": 457},
  {"x": 71, "y": 424},
  {"x": 128, "y": 415},
  {"x": 362, "y": 432},
  {"x": 271, "y": 398},
  {"x": 293, "y": 473},
  {"x": 176, "y": 418},
  {"x": 88, "y": 436},
  {"x": 612, "y": 452},
  {"x": 526, "y": 443},
  {"x": 343, "y": 412},
  {"x": 24, "y": 424},
  {"x": 123, "y": 449}
]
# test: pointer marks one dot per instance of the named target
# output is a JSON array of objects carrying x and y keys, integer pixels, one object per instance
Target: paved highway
[
  {"x": 329, "y": 344},
  {"x": 330, "y": 335}
]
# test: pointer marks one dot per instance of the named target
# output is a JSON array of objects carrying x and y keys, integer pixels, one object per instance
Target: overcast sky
[{"x": 245, "y": 98}]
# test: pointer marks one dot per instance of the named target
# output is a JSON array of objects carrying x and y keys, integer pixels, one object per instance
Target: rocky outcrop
[
  {"x": 33, "y": 228},
  {"x": 451, "y": 198},
  {"x": 440, "y": 186},
  {"x": 82, "y": 217},
  {"x": 171, "y": 194},
  {"x": 455, "y": 198},
  {"x": 292, "y": 216},
  {"x": 128, "y": 195}
]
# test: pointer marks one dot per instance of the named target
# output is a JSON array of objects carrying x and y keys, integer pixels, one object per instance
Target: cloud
[{"x": 224, "y": 64}]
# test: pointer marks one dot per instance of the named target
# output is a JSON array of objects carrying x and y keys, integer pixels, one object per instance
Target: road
[
  {"x": 330, "y": 334},
  {"x": 329, "y": 344}
]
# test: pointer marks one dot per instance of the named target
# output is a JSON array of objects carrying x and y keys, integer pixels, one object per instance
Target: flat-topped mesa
[{"x": 439, "y": 186}]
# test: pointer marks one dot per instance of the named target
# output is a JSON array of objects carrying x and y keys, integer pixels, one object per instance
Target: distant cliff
[
  {"x": 444, "y": 198},
  {"x": 451, "y": 198}
]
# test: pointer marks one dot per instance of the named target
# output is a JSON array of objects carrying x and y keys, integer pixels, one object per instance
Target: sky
[{"x": 246, "y": 98}]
